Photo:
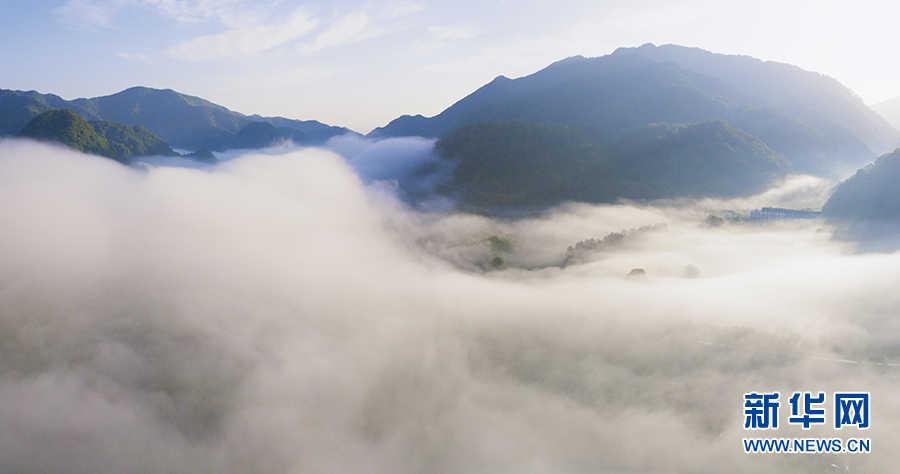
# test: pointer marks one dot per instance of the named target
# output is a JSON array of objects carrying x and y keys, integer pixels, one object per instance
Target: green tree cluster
[
  {"x": 525, "y": 163},
  {"x": 67, "y": 128},
  {"x": 128, "y": 142},
  {"x": 98, "y": 137}
]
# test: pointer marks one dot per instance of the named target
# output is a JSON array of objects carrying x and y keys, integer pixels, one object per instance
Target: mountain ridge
[
  {"x": 632, "y": 87},
  {"x": 872, "y": 194},
  {"x": 518, "y": 163},
  {"x": 792, "y": 84},
  {"x": 98, "y": 137},
  {"x": 181, "y": 120},
  {"x": 890, "y": 111}
]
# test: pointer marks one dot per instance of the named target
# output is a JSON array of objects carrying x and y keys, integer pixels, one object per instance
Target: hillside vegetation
[
  {"x": 128, "y": 142},
  {"x": 182, "y": 121},
  {"x": 819, "y": 126},
  {"x": 262, "y": 134},
  {"x": 872, "y": 194},
  {"x": 525, "y": 163},
  {"x": 98, "y": 137},
  {"x": 67, "y": 128}
]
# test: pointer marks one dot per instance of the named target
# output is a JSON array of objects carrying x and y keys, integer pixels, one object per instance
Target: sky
[{"x": 360, "y": 64}]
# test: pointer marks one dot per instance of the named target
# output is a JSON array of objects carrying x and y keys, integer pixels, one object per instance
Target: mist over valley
[{"x": 558, "y": 273}]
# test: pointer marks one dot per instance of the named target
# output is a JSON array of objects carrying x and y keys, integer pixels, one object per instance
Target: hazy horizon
[{"x": 360, "y": 64}]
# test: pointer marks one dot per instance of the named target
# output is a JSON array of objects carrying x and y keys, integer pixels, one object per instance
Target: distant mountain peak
[
  {"x": 182, "y": 120},
  {"x": 630, "y": 49},
  {"x": 258, "y": 135},
  {"x": 871, "y": 194},
  {"x": 811, "y": 119},
  {"x": 890, "y": 111}
]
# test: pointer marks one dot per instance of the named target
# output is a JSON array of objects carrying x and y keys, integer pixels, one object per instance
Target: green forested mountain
[
  {"x": 818, "y": 125},
  {"x": 640, "y": 123},
  {"x": 180, "y": 120},
  {"x": 703, "y": 159},
  {"x": 315, "y": 132},
  {"x": 128, "y": 142},
  {"x": 262, "y": 134},
  {"x": 526, "y": 163},
  {"x": 816, "y": 99},
  {"x": 17, "y": 108},
  {"x": 872, "y": 194},
  {"x": 67, "y": 128},
  {"x": 98, "y": 137}
]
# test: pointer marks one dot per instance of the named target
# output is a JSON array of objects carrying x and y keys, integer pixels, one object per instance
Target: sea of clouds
[{"x": 289, "y": 311}]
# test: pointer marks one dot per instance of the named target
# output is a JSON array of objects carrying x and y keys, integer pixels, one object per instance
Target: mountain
[
  {"x": 890, "y": 111},
  {"x": 518, "y": 163},
  {"x": 99, "y": 137},
  {"x": 872, "y": 194},
  {"x": 698, "y": 160},
  {"x": 17, "y": 108},
  {"x": 262, "y": 134},
  {"x": 810, "y": 119},
  {"x": 525, "y": 163},
  {"x": 316, "y": 132},
  {"x": 498, "y": 91},
  {"x": 67, "y": 128},
  {"x": 180, "y": 120},
  {"x": 814, "y": 98},
  {"x": 128, "y": 142}
]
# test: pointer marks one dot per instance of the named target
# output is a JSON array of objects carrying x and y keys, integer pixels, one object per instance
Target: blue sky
[{"x": 362, "y": 63}]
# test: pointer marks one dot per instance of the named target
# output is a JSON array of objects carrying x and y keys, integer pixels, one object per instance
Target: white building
[{"x": 769, "y": 214}]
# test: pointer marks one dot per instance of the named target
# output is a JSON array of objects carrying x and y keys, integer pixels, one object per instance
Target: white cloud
[
  {"x": 102, "y": 12},
  {"x": 251, "y": 27},
  {"x": 363, "y": 24},
  {"x": 453, "y": 32},
  {"x": 197, "y": 10},
  {"x": 444, "y": 36},
  {"x": 400, "y": 9},
  {"x": 135, "y": 57},
  {"x": 274, "y": 315},
  {"x": 349, "y": 29},
  {"x": 245, "y": 40},
  {"x": 277, "y": 76},
  {"x": 85, "y": 12}
]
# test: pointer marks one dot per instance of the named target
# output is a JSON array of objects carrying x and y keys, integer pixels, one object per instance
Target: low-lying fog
[{"x": 275, "y": 313}]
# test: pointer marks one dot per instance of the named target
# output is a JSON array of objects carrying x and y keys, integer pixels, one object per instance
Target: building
[{"x": 770, "y": 214}]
